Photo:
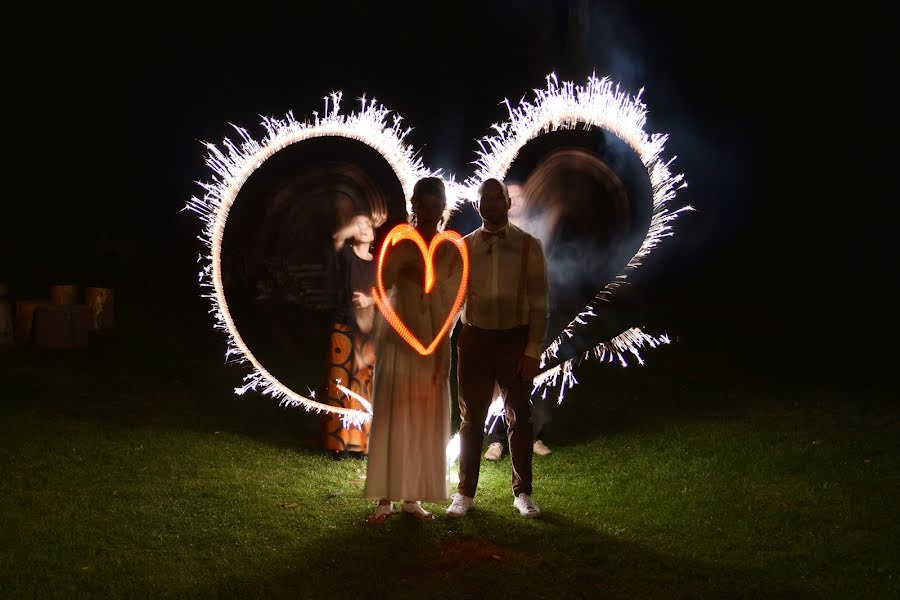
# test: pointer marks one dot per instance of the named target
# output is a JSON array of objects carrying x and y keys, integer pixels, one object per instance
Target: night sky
[{"x": 776, "y": 120}]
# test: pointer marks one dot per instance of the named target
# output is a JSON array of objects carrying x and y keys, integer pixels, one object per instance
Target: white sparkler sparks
[
  {"x": 598, "y": 103},
  {"x": 351, "y": 394},
  {"x": 452, "y": 452},
  {"x": 565, "y": 105},
  {"x": 373, "y": 125}
]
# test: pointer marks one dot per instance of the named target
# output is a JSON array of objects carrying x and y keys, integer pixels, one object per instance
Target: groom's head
[{"x": 493, "y": 203}]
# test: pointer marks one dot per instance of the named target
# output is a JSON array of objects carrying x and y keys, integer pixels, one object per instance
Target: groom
[{"x": 504, "y": 325}]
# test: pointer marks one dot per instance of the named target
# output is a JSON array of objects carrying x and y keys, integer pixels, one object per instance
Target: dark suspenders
[{"x": 523, "y": 276}]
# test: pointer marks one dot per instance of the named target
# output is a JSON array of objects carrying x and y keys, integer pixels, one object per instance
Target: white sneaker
[
  {"x": 494, "y": 452},
  {"x": 527, "y": 508},
  {"x": 460, "y": 506},
  {"x": 541, "y": 449}
]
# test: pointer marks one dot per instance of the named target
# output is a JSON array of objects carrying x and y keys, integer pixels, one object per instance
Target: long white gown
[{"x": 411, "y": 421}]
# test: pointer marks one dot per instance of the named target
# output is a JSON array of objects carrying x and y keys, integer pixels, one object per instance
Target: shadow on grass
[{"x": 549, "y": 557}]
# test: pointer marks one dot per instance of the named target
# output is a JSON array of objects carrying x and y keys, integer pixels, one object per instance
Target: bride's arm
[
  {"x": 442, "y": 360},
  {"x": 448, "y": 287}
]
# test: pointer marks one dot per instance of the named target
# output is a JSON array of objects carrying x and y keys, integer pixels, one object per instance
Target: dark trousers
[{"x": 485, "y": 357}]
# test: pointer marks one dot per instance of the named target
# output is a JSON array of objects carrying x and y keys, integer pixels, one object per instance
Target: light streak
[
  {"x": 407, "y": 232},
  {"x": 452, "y": 452},
  {"x": 233, "y": 163},
  {"x": 559, "y": 106},
  {"x": 597, "y": 103},
  {"x": 350, "y": 393}
]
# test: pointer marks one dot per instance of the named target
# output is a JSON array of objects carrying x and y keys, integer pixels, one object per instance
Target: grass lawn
[{"x": 130, "y": 469}]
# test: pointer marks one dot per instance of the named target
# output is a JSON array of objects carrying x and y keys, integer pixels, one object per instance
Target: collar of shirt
[{"x": 501, "y": 233}]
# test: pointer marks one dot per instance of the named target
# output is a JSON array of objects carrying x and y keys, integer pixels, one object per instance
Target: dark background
[{"x": 777, "y": 120}]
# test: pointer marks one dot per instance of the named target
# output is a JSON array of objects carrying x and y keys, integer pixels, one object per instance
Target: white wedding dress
[{"x": 411, "y": 421}]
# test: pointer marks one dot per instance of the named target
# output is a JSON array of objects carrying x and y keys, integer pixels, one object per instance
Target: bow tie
[{"x": 486, "y": 235}]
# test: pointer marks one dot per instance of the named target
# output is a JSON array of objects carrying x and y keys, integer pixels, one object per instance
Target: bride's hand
[{"x": 441, "y": 373}]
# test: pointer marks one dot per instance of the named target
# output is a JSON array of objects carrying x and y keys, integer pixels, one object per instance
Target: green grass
[{"x": 130, "y": 469}]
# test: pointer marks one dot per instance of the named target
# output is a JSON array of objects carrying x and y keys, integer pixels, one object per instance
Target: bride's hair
[{"x": 425, "y": 186}]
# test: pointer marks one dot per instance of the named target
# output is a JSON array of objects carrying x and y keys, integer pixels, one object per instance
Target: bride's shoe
[
  {"x": 415, "y": 509},
  {"x": 381, "y": 513}
]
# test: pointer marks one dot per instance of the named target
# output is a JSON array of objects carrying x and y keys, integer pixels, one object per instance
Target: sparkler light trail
[
  {"x": 598, "y": 103},
  {"x": 559, "y": 106},
  {"x": 379, "y": 294},
  {"x": 351, "y": 394},
  {"x": 373, "y": 125}
]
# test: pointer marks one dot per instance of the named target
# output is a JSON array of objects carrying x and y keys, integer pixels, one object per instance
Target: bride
[{"x": 411, "y": 397}]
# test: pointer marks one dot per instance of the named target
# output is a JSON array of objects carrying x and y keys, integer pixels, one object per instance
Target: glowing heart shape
[
  {"x": 598, "y": 103},
  {"x": 406, "y": 232}
]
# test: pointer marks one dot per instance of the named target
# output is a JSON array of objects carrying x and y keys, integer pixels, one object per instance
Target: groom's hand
[{"x": 528, "y": 367}]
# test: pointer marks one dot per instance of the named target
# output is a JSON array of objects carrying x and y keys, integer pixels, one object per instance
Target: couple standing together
[{"x": 505, "y": 321}]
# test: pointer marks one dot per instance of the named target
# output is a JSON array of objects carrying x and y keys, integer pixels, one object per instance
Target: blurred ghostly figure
[{"x": 351, "y": 353}]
